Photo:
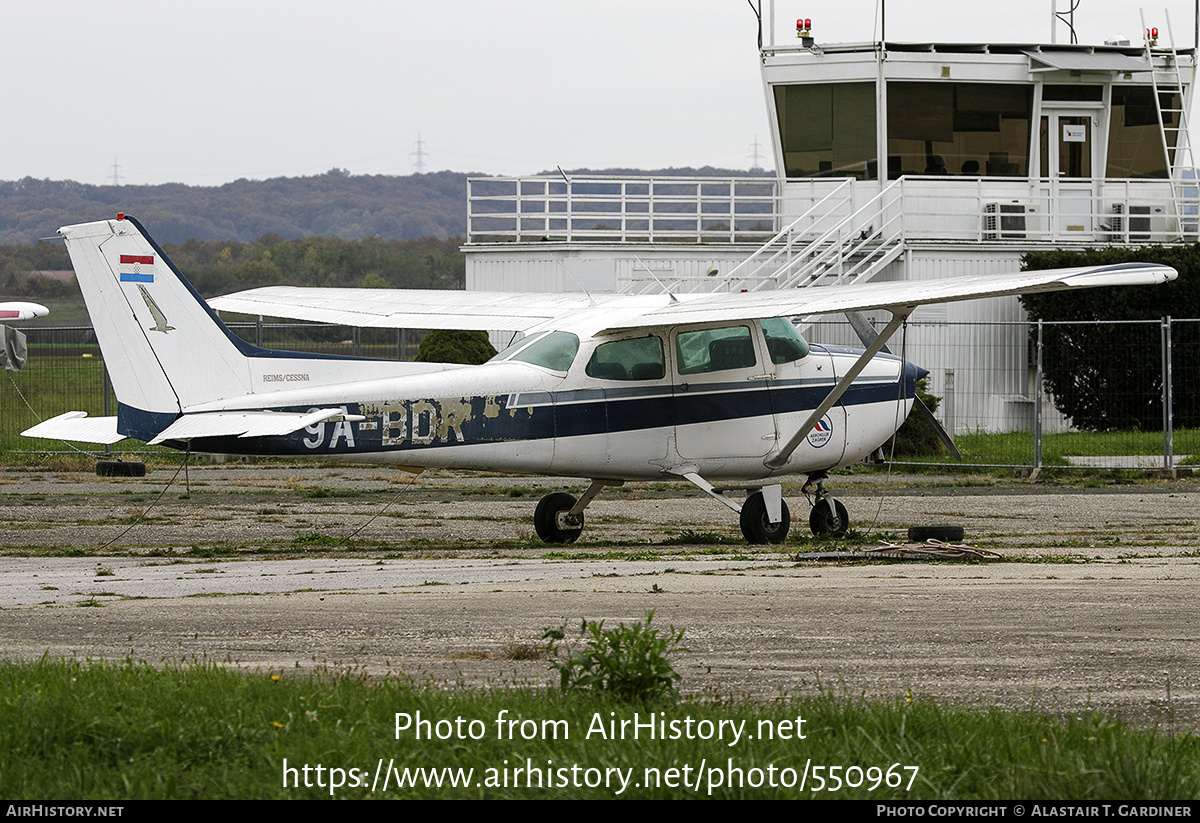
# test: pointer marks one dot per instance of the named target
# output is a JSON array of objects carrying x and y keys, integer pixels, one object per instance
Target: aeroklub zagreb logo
[{"x": 821, "y": 433}]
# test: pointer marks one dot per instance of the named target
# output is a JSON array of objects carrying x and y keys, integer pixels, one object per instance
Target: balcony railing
[
  {"x": 688, "y": 210},
  {"x": 622, "y": 209}
]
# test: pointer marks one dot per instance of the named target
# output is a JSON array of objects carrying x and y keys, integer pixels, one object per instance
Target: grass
[
  {"x": 1016, "y": 448},
  {"x": 127, "y": 731}
]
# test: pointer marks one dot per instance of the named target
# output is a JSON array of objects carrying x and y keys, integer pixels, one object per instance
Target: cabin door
[
  {"x": 1068, "y": 162},
  {"x": 721, "y": 394}
]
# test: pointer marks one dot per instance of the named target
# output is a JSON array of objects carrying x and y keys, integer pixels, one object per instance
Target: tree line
[{"x": 220, "y": 267}]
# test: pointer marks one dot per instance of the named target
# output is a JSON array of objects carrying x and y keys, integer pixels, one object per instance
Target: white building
[{"x": 893, "y": 161}]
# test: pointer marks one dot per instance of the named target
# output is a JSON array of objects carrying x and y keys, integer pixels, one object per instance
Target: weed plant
[{"x": 631, "y": 663}]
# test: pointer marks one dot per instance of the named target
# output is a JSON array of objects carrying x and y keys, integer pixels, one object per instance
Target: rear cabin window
[
  {"x": 638, "y": 359},
  {"x": 711, "y": 350}
]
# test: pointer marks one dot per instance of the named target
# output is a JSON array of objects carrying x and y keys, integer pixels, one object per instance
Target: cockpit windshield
[
  {"x": 784, "y": 343},
  {"x": 551, "y": 350}
]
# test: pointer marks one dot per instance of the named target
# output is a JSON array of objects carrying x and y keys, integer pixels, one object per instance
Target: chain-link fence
[
  {"x": 1019, "y": 394},
  {"x": 1111, "y": 394},
  {"x": 65, "y": 372}
]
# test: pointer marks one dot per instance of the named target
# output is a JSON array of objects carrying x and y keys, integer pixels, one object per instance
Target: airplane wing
[
  {"x": 525, "y": 311},
  {"x": 408, "y": 308},
  {"x": 897, "y": 295}
]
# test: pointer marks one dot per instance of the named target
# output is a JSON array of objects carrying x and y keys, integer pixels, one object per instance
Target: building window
[
  {"x": 970, "y": 129},
  {"x": 827, "y": 129},
  {"x": 1135, "y": 144}
]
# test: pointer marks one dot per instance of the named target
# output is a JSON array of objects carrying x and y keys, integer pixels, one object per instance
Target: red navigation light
[
  {"x": 1154, "y": 32},
  {"x": 803, "y": 24},
  {"x": 120, "y": 215}
]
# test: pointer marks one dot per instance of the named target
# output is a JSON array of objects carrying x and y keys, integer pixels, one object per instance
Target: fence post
[
  {"x": 1037, "y": 406},
  {"x": 107, "y": 403},
  {"x": 948, "y": 402},
  {"x": 1168, "y": 415}
]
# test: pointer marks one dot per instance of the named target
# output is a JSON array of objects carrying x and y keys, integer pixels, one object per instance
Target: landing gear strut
[
  {"x": 828, "y": 516},
  {"x": 558, "y": 517}
]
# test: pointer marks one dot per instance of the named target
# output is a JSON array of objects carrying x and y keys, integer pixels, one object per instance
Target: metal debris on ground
[{"x": 930, "y": 550}]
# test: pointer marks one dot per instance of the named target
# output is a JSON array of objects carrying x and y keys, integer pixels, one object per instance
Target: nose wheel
[{"x": 828, "y": 517}]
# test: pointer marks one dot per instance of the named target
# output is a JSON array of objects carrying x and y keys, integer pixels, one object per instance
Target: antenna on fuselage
[
  {"x": 582, "y": 288},
  {"x": 650, "y": 272}
]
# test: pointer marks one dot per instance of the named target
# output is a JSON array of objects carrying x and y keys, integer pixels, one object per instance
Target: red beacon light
[
  {"x": 120, "y": 215},
  {"x": 1152, "y": 36},
  {"x": 803, "y": 26}
]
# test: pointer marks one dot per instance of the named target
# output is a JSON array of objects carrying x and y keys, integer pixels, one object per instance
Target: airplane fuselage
[{"x": 527, "y": 418}]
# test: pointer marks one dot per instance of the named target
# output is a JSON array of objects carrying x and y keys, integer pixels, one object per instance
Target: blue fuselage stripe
[{"x": 421, "y": 424}]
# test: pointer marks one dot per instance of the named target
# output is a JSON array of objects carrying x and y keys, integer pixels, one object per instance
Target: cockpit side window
[
  {"x": 784, "y": 343},
  {"x": 640, "y": 358},
  {"x": 709, "y": 350}
]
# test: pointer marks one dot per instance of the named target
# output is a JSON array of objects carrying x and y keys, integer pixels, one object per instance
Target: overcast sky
[{"x": 205, "y": 93}]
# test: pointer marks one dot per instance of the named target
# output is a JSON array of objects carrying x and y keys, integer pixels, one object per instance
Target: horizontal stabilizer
[
  {"x": 76, "y": 425},
  {"x": 247, "y": 424}
]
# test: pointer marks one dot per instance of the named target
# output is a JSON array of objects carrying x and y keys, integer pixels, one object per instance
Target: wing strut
[{"x": 779, "y": 459}]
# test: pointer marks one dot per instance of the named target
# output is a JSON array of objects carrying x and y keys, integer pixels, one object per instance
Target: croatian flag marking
[{"x": 137, "y": 268}]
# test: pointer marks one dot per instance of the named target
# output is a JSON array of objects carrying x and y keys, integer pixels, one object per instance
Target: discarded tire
[
  {"x": 947, "y": 534},
  {"x": 120, "y": 468}
]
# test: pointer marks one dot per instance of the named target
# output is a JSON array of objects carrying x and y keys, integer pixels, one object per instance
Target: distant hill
[{"x": 334, "y": 204}]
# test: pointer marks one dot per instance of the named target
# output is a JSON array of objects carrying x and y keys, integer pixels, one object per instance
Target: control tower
[{"x": 892, "y": 161}]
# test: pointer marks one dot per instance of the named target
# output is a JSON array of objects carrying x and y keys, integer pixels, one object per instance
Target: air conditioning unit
[
  {"x": 1008, "y": 221},
  {"x": 1141, "y": 223}
]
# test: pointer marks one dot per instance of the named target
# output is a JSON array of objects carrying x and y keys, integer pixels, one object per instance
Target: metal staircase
[{"x": 831, "y": 243}]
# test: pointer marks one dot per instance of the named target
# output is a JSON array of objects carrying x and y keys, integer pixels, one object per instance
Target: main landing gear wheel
[
  {"x": 824, "y": 522},
  {"x": 757, "y": 528},
  {"x": 120, "y": 468},
  {"x": 550, "y": 519}
]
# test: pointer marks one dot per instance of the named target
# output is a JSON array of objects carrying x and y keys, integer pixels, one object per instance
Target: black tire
[
  {"x": 120, "y": 468},
  {"x": 829, "y": 524},
  {"x": 756, "y": 528},
  {"x": 947, "y": 534},
  {"x": 545, "y": 518}
]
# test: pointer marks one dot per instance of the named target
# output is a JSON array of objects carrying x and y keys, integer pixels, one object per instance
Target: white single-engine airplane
[
  {"x": 604, "y": 387},
  {"x": 22, "y": 311}
]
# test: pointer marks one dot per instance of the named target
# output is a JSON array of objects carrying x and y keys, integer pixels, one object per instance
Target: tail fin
[{"x": 164, "y": 347}]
